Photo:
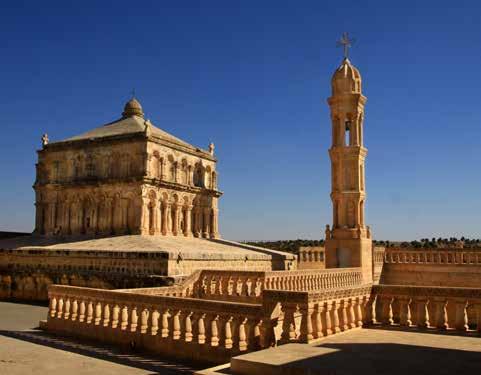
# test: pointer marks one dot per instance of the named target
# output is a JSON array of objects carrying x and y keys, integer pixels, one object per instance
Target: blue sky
[{"x": 253, "y": 77}]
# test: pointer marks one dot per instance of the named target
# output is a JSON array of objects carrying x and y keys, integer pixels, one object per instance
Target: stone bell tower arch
[{"x": 348, "y": 243}]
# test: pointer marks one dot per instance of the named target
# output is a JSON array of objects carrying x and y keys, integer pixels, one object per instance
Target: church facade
[{"x": 126, "y": 177}]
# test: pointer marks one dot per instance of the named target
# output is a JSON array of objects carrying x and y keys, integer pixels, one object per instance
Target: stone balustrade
[
  {"x": 309, "y": 316},
  {"x": 437, "y": 256},
  {"x": 184, "y": 327},
  {"x": 201, "y": 329},
  {"x": 442, "y": 308},
  {"x": 247, "y": 286}
]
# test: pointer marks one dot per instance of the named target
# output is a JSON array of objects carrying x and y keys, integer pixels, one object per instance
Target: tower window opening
[{"x": 347, "y": 133}]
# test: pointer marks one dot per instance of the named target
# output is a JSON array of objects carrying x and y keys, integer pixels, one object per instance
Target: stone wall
[
  {"x": 437, "y": 267},
  {"x": 26, "y": 274}
]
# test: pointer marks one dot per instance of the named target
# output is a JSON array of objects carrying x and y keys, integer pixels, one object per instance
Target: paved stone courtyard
[{"x": 27, "y": 351}]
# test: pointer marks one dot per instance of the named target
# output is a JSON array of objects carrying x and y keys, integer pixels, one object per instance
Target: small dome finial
[
  {"x": 346, "y": 79},
  {"x": 133, "y": 108}
]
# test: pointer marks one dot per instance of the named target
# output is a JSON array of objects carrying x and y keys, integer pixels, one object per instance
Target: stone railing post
[
  {"x": 405, "y": 311},
  {"x": 441, "y": 313},
  {"x": 335, "y": 317},
  {"x": 370, "y": 315},
  {"x": 288, "y": 324},
  {"x": 327, "y": 317},
  {"x": 387, "y": 314},
  {"x": 461, "y": 315},
  {"x": 306, "y": 325},
  {"x": 423, "y": 312}
]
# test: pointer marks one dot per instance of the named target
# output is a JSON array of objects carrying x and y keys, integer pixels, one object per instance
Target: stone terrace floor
[
  {"x": 27, "y": 351},
  {"x": 366, "y": 351}
]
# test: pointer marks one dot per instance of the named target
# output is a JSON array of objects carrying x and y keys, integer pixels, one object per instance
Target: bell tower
[{"x": 348, "y": 243}]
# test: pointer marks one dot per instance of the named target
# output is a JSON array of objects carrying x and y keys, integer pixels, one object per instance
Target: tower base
[{"x": 348, "y": 253}]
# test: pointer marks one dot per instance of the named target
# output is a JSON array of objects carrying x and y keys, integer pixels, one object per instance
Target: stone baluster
[
  {"x": 226, "y": 287},
  {"x": 351, "y": 314},
  {"x": 317, "y": 321},
  {"x": 176, "y": 329},
  {"x": 66, "y": 309},
  {"x": 124, "y": 318},
  {"x": 115, "y": 316},
  {"x": 154, "y": 322},
  {"x": 214, "y": 330},
  {"x": 218, "y": 285},
  {"x": 423, "y": 313},
  {"x": 306, "y": 334},
  {"x": 81, "y": 317},
  {"x": 242, "y": 334},
  {"x": 144, "y": 320},
  {"x": 370, "y": 316},
  {"x": 74, "y": 310},
  {"x": 208, "y": 285},
  {"x": 188, "y": 336},
  {"x": 461, "y": 315},
  {"x": 245, "y": 287},
  {"x": 359, "y": 308},
  {"x": 201, "y": 329},
  {"x": 90, "y": 312},
  {"x": 133, "y": 319},
  {"x": 288, "y": 324},
  {"x": 98, "y": 313},
  {"x": 165, "y": 323},
  {"x": 228, "y": 332},
  {"x": 405, "y": 311},
  {"x": 60, "y": 307},
  {"x": 106, "y": 315},
  {"x": 327, "y": 318},
  {"x": 387, "y": 314},
  {"x": 440, "y": 314},
  {"x": 335, "y": 317},
  {"x": 53, "y": 306},
  {"x": 343, "y": 309}
]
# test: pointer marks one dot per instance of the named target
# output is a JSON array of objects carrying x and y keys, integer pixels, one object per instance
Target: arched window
[
  {"x": 199, "y": 175},
  {"x": 347, "y": 133}
]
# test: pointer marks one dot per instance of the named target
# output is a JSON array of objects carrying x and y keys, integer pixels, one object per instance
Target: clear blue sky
[{"x": 253, "y": 77}]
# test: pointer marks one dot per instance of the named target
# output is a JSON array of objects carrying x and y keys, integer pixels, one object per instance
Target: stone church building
[{"x": 126, "y": 177}]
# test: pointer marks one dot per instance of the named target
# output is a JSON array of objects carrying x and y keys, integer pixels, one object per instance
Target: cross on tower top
[{"x": 345, "y": 42}]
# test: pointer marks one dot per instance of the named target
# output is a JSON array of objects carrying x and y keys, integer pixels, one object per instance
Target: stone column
[
  {"x": 198, "y": 221},
  {"x": 144, "y": 219},
  {"x": 176, "y": 220},
  {"x": 187, "y": 222},
  {"x": 168, "y": 219},
  {"x": 214, "y": 230},
  {"x": 162, "y": 168},
  {"x": 206, "y": 223}
]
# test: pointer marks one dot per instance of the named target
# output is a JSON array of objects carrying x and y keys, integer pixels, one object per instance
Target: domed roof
[
  {"x": 346, "y": 79},
  {"x": 133, "y": 108}
]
